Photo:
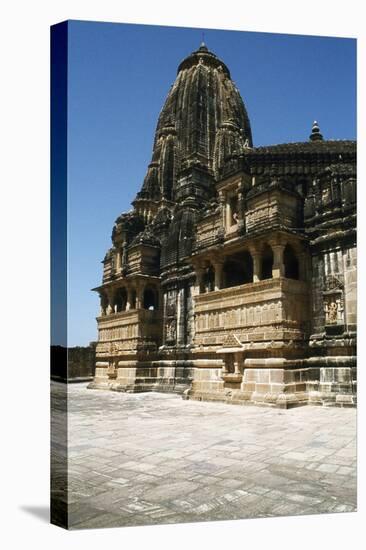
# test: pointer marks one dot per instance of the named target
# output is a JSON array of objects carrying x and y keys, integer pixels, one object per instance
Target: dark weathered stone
[
  {"x": 234, "y": 276},
  {"x": 74, "y": 363}
]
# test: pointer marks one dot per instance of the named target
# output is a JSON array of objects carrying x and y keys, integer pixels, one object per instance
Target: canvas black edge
[{"x": 58, "y": 348}]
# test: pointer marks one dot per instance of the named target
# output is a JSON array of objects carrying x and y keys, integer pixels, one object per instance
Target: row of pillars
[
  {"x": 237, "y": 361},
  {"x": 112, "y": 299},
  {"x": 278, "y": 267}
]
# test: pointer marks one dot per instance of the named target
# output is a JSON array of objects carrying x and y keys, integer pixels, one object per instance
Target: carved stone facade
[{"x": 234, "y": 277}]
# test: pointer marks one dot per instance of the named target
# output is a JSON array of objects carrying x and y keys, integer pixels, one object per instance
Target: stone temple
[{"x": 233, "y": 278}]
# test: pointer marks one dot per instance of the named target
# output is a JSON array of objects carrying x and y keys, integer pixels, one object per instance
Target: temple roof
[
  {"x": 317, "y": 146},
  {"x": 202, "y": 111},
  {"x": 306, "y": 157}
]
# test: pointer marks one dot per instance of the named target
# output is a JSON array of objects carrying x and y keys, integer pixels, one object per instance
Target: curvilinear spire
[{"x": 202, "y": 121}]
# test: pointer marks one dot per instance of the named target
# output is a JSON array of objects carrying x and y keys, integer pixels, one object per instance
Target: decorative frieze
[{"x": 259, "y": 311}]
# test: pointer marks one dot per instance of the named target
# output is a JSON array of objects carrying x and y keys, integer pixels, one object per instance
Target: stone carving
[
  {"x": 333, "y": 308},
  {"x": 331, "y": 283},
  {"x": 226, "y": 247},
  {"x": 332, "y": 312},
  {"x": 333, "y": 301},
  {"x": 170, "y": 334},
  {"x": 231, "y": 341}
]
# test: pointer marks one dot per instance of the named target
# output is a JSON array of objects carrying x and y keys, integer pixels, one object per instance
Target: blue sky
[{"x": 119, "y": 77}]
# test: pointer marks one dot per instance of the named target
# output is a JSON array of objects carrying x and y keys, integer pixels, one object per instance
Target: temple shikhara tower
[{"x": 234, "y": 276}]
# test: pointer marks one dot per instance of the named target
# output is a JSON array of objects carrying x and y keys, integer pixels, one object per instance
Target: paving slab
[{"x": 153, "y": 458}]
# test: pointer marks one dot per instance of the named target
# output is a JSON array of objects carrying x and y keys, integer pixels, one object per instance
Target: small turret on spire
[
  {"x": 203, "y": 47},
  {"x": 315, "y": 132}
]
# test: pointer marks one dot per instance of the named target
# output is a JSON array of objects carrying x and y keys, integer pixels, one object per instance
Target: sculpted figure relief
[{"x": 332, "y": 312}]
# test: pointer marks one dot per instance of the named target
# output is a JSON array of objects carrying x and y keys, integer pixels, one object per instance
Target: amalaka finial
[{"x": 315, "y": 132}]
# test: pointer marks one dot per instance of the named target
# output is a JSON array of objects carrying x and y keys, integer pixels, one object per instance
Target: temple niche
[{"x": 233, "y": 278}]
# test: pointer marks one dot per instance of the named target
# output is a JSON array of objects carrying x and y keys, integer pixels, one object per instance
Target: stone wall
[
  {"x": 68, "y": 364},
  {"x": 334, "y": 277},
  {"x": 81, "y": 361},
  {"x": 128, "y": 331},
  {"x": 350, "y": 285},
  {"x": 332, "y": 359},
  {"x": 256, "y": 312}
]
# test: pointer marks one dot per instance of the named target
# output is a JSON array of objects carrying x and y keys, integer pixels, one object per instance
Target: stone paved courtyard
[{"x": 138, "y": 459}]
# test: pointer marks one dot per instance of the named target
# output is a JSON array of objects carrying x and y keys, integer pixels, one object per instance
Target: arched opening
[
  {"x": 291, "y": 263},
  {"x": 150, "y": 299},
  {"x": 238, "y": 269},
  {"x": 120, "y": 299},
  {"x": 234, "y": 209},
  {"x": 267, "y": 262},
  {"x": 209, "y": 279}
]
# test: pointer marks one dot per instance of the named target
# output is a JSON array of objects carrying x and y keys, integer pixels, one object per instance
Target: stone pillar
[
  {"x": 241, "y": 206},
  {"x": 256, "y": 257},
  {"x": 227, "y": 214},
  {"x": 129, "y": 298},
  {"x": 124, "y": 254},
  {"x": 218, "y": 266},
  {"x": 199, "y": 280},
  {"x": 278, "y": 269},
  {"x": 140, "y": 287},
  {"x": 236, "y": 363},
  {"x": 240, "y": 200},
  {"x": 110, "y": 307},
  {"x": 222, "y": 207},
  {"x": 181, "y": 314},
  {"x": 118, "y": 261}
]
